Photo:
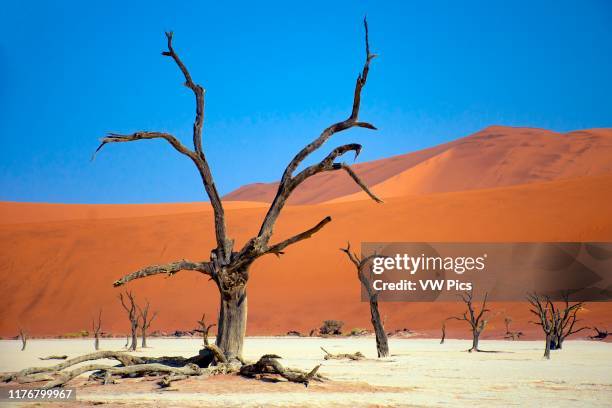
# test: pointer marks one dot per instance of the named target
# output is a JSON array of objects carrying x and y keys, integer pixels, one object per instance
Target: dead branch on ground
[{"x": 343, "y": 356}]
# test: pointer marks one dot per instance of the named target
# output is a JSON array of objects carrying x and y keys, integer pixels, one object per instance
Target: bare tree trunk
[
  {"x": 475, "y": 338},
  {"x": 143, "y": 344},
  {"x": 382, "y": 344},
  {"x": 97, "y": 326},
  {"x": 134, "y": 341},
  {"x": 24, "y": 339},
  {"x": 443, "y": 332},
  {"x": 547, "y": 349},
  {"x": 232, "y": 323}
]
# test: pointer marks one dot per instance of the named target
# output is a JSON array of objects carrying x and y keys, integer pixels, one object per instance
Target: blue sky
[{"x": 276, "y": 74}]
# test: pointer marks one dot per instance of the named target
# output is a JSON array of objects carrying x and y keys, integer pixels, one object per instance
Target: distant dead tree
[
  {"x": 24, "y": 338},
  {"x": 145, "y": 321},
  {"x": 599, "y": 334},
  {"x": 382, "y": 344},
  {"x": 96, "y": 327},
  {"x": 204, "y": 328},
  {"x": 228, "y": 267},
  {"x": 130, "y": 307},
  {"x": 557, "y": 322},
  {"x": 443, "y": 331},
  {"x": 514, "y": 335},
  {"x": 476, "y": 320}
]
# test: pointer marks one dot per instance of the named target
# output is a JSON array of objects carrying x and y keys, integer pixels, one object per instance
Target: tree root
[
  {"x": 268, "y": 365},
  {"x": 171, "y": 368},
  {"x": 342, "y": 356}
]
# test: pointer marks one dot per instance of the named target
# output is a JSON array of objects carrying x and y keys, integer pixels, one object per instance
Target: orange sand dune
[
  {"x": 14, "y": 213},
  {"x": 496, "y": 156},
  {"x": 55, "y": 275}
]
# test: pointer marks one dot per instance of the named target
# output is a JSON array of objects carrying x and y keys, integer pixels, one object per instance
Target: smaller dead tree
[
  {"x": 145, "y": 321},
  {"x": 96, "y": 327},
  {"x": 129, "y": 305},
  {"x": 514, "y": 335},
  {"x": 204, "y": 328},
  {"x": 476, "y": 321},
  {"x": 24, "y": 338},
  {"x": 382, "y": 344},
  {"x": 599, "y": 334},
  {"x": 557, "y": 321},
  {"x": 566, "y": 321},
  {"x": 443, "y": 332}
]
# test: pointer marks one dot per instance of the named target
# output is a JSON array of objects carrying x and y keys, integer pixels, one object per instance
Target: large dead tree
[
  {"x": 130, "y": 308},
  {"x": 96, "y": 326},
  {"x": 557, "y": 321},
  {"x": 145, "y": 321},
  {"x": 227, "y": 266},
  {"x": 382, "y": 344},
  {"x": 476, "y": 321}
]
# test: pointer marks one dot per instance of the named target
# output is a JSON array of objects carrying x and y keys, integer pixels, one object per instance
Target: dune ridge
[{"x": 493, "y": 157}]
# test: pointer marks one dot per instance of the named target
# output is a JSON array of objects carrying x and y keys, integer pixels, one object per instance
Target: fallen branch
[
  {"x": 63, "y": 357},
  {"x": 110, "y": 371},
  {"x": 342, "y": 356},
  {"x": 269, "y": 364}
]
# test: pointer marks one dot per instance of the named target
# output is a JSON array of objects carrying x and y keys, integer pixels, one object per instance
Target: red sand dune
[
  {"x": 57, "y": 273},
  {"x": 496, "y": 156}
]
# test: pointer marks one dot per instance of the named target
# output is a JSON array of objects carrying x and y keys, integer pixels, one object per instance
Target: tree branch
[
  {"x": 277, "y": 249},
  {"x": 119, "y": 138},
  {"x": 288, "y": 183},
  {"x": 198, "y": 92},
  {"x": 169, "y": 269}
]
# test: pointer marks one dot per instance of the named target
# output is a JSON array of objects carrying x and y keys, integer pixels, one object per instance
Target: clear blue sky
[{"x": 276, "y": 74}]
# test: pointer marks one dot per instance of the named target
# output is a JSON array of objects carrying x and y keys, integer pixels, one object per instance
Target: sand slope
[
  {"x": 56, "y": 274},
  {"x": 496, "y": 156}
]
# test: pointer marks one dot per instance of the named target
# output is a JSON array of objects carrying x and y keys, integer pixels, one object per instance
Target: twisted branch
[{"x": 170, "y": 269}]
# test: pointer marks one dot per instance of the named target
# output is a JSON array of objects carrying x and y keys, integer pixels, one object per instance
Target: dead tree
[
  {"x": 145, "y": 322},
  {"x": 599, "y": 334},
  {"x": 205, "y": 328},
  {"x": 96, "y": 327},
  {"x": 566, "y": 321},
  {"x": 130, "y": 308},
  {"x": 557, "y": 322},
  {"x": 382, "y": 344},
  {"x": 476, "y": 321},
  {"x": 227, "y": 266},
  {"x": 443, "y": 332},
  {"x": 514, "y": 335},
  {"x": 24, "y": 338}
]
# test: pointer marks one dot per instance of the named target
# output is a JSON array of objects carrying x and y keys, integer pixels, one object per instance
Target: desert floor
[{"x": 420, "y": 372}]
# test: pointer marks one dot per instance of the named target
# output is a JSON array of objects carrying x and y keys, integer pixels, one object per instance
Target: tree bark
[
  {"x": 232, "y": 323},
  {"x": 547, "y": 349},
  {"x": 144, "y": 338},
  {"x": 382, "y": 345},
  {"x": 97, "y": 342},
  {"x": 134, "y": 338},
  {"x": 475, "y": 338}
]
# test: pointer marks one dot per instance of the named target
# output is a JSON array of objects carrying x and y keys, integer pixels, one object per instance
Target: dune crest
[{"x": 493, "y": 157}]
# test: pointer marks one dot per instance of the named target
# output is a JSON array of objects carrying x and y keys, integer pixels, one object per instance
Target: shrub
[{"x": 331, "y": 327}]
